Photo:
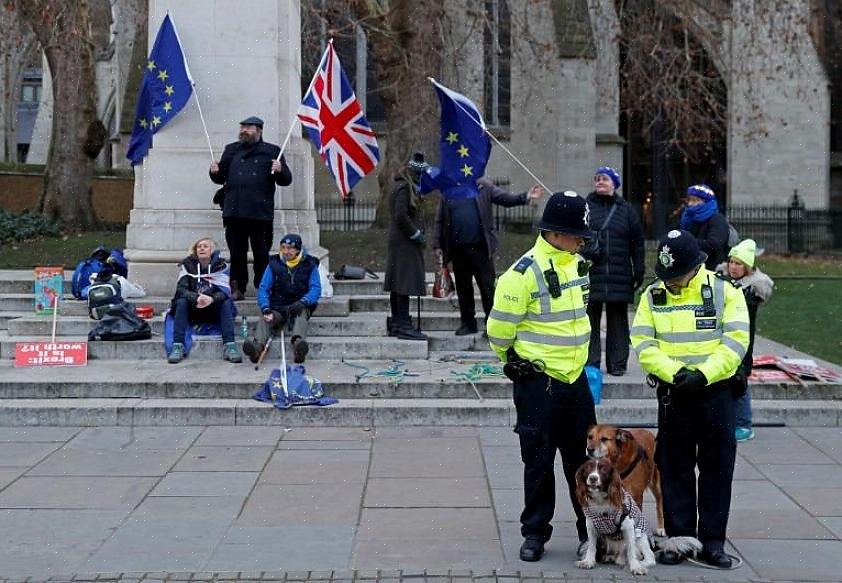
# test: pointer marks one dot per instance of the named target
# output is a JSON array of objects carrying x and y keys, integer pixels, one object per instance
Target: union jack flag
[{"x": 336, "y": 124}]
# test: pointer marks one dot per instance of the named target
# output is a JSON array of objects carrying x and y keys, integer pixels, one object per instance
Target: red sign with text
[{"x": 51, "y": 354}]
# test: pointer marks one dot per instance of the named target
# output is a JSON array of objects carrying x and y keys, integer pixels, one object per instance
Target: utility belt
[{"x": 519, "y": 369}]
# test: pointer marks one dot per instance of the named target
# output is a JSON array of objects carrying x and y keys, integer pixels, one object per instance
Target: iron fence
[{"x": 789, "y": 228}]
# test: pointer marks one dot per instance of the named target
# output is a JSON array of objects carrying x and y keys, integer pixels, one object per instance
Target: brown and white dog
[
  {"x": 632, "y": 454},
  {"x": 612, "y": 516}
]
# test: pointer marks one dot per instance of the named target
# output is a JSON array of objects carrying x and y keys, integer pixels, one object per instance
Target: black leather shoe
[
  {"x": 716, "y": 558},
  {"x": 466, "y": 329},
  {"x": 670, "y": 558},
  {"x": 300, "y": 348},
  {"x": 531, "y": 550},
  {"x": 409, "y": 333},
  {"x": 252, "y": 349}
]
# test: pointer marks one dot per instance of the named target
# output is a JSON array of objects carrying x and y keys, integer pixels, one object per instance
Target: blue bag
[
  {"x": 301, "y": 389},
  {"x": 595, "y": 382},
  {"x": 82, "y": 275},
  {"x": 116, "y": 259}
]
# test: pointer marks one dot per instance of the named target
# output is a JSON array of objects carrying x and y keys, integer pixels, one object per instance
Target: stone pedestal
[{"x": 245, "y": 60}]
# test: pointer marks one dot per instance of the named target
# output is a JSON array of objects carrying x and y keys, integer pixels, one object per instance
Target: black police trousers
[
  {"x": 697, "y": 430},
  {"x": 550, "y": 420}
]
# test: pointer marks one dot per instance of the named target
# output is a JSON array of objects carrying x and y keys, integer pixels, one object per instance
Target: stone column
[{"x": 245, "y": 60}]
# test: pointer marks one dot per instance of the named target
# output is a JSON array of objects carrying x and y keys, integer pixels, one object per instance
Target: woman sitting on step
[{"x": 203, "y": 294}]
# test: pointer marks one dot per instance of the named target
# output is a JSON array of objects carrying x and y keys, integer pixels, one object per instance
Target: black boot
[
  {"x": 407, "y": 332},
  {"x": 300, "y": 348},
  {"x": 467, "y": 328},
  {"x": 531, "y": 550}
]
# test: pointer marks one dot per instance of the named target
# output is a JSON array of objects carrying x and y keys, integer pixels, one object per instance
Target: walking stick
[
  {"x": 264, "y": 352},
  {"x": 418, "y": 306}
]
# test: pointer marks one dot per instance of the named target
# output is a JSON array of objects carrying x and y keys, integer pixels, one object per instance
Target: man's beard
[{"x": 247, "y": 139}]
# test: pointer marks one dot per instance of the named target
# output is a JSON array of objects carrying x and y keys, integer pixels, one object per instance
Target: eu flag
[
  {"x": 164, "y": 91},
  {"x": 465, "y": 147}
]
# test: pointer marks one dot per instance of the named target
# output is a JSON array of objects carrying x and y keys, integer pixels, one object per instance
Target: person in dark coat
[
  {"x": 202, "y": 294},
  {"x": 465, "y": 235},
  {"x": 618, "y": 265},
  {"x": 702, "y": 218},
  {"x": 249, "y": 170},
  {"x": 405, "y": 254}
]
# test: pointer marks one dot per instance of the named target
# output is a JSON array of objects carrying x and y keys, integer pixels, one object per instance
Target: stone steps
[{"x": 355, "y": 412}]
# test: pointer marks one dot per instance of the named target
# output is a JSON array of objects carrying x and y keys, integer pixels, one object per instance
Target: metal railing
[{"x": 789, "y": 228}]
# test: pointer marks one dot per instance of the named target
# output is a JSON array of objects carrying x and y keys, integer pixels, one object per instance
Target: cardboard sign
[
  {"x": 51, "y": 354},
  {"x": 49, "y": 287}
]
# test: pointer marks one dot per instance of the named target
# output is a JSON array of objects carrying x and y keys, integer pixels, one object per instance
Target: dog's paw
[
  {"x": 637, "y": 569},
  {"x": 583, "y": 564},
  {"x": 660, "y": 532}
]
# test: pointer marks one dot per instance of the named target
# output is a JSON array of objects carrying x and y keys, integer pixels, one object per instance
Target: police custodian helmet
[
  {"x": 678, "y": 255},
  {"x": 566, "y": 212}
]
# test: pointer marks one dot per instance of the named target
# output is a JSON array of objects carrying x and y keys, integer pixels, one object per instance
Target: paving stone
[
  {"x": 325, "y": 445},
  {"x": 322, "y": 504},
  {"x": 426, "y": 523},
  {"x": 321, "y": 575},
  {"x": 206, "y": 484},
  {"x": 37, "y": 434},
  {"x": 433, "y": 553},
  {"x": 426, "y": 492},
  {"x": 224, "y": 459},
  {"x": 367, "y": 574},
  {"x": 792, "y": 559},
  {"x": 447, "y": 459},
  {"x": 124, "y": 438},
  {"x": 83, "y": 462},
  {"x": 316, "y": 467},
  {"x": 25, "y": 454},
  {"x": 241, "y": 436},
  {"x": 103, "y": 493}
]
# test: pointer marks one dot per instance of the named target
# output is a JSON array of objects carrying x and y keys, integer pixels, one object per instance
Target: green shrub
[{"x": 24, "y": 226}]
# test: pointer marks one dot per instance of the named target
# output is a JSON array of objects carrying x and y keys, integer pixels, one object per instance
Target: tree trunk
[
  {"x": 407, "y": 44},
  {"x": 63, "y": 29}
]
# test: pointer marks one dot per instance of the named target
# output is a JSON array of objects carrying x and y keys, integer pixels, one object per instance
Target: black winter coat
[
  {"x": 712, "y": 236},
  {"x": 187, "y": 285},
  {"x": 246, "y": 172},
  {"x": 405, "y": 261},
  {"x": 488, "y": 194},
  {"x": 619, "y": 265}
]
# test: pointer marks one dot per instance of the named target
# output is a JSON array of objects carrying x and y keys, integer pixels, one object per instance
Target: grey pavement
[{"x": 343, "y": 504}]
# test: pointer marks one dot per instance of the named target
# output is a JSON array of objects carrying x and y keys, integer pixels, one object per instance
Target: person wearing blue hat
[
  {"x": 249, "y": 171},
  {"x": 691, "y": 333},
  {"x": 702, "y": 218},
  {"x": 618, "y": 257},
  {"x": 539, "y": 328},
  {"x": 288, "y": 295}
]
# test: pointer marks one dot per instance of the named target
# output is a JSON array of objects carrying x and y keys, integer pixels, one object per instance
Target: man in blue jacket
[
  {"x": 249, "y": 170},
  {"x": 287, "y": 296}
]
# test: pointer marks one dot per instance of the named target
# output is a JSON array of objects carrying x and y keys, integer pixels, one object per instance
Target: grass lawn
[
  {"x": 54, "y": 251},
  {"x": 803, "y": 313}
]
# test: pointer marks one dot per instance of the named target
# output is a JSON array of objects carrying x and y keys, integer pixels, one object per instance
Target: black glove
[
  {"x": 689, "y": 381},
  {"x": 295, "y": 309}
]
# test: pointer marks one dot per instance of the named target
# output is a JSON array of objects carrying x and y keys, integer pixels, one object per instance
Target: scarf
[
  {"x": 295, "y": 261},
  {"x": 698, "y": 214}
]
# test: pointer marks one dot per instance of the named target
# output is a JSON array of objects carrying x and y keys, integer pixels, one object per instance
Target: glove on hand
[
  {"x": 689, "y": 380},
  {"x": 295, "y": 309}
]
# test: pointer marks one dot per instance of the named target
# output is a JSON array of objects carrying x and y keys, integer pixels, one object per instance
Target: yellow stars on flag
[
  {"x": 156, "y": 121},
  {"x": 463, "y": 151},
  {"x": 452, "y": 137},
  {"x": 167, "y": 106},
  {"x": 169, "y": 90},
  {"x": 467, "y": 170},
  {"x": 162, "y": 75},
  {"x": 150, "y": 65},
  {"x": 143, "y": 123}
]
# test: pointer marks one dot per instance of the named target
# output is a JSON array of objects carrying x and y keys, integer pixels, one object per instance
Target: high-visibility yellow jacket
[
  {"x": 556, "y": 331},
  {"x": 681, "y": 333}
]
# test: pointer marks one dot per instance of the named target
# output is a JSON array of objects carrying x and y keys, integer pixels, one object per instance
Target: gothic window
[{"x": 497, "y": 47}]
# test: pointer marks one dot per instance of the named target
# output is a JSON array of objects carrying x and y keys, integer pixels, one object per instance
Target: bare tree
[
  {"x": 64, "y": 33},
  {"x": 17, "y": 45}
]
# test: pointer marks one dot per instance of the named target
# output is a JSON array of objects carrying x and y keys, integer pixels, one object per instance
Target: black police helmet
[
  {"x": 678, "y": 255},
  {"x": 566, "y": 212}
]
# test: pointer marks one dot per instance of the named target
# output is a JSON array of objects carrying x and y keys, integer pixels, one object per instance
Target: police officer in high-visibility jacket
[
  {"x": 539, "y": 327},
  {"x": 690, "y": 333}
]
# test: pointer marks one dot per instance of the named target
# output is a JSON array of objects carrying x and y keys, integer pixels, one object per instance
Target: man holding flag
[{"x": 464, "y": 230}]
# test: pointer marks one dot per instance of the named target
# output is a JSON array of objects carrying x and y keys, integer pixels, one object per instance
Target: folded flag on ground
[{"x": 302, "y": 389}]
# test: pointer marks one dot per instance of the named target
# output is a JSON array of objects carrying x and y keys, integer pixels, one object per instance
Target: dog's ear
[
  {"x": 615, "y": 489},
  {"x": 623, "y": 436},
  {"x": 588, "y": 432},
  {"x": 582, "y": 484}
]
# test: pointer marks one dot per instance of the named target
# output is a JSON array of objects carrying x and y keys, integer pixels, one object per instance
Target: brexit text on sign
[{"x": 51, "y": 354}]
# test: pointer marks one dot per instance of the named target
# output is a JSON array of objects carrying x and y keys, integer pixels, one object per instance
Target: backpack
[
  {"x": 95, "y": 263},
  {"x": 116, "y": 259},
  {"x": 121, "y": 323},
  {"x": 102, "y": 296}
]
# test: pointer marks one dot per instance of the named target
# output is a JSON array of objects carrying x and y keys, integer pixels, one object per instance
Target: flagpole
[
  {"x": 192, "y": 84},
  {"x": 496, "y": 141},
  {"x": 309, "y": 87}
]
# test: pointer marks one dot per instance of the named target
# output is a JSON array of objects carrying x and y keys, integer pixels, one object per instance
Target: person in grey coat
[
  {"x": 465, "y": 235},
  {"x": 405, "y": 255}
]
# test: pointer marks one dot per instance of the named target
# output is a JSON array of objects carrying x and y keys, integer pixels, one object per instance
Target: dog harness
[{"x": 608, "y": 523}]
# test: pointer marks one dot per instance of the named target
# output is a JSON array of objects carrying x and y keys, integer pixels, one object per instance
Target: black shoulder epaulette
[
  {"x": 522, "y": 265},
  {"x": 727, "y": 278}
]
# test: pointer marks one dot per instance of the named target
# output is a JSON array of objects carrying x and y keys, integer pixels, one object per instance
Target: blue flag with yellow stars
[
  {"x": 465, "y": 147},
  {"x": 164, "y": 91}
]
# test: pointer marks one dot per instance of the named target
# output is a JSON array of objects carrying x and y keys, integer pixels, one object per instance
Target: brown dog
[{"x": 632, "y": 453}]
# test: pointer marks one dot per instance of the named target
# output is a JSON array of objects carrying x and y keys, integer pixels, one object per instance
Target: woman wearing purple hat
[{"x": 702, "y": 218}]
